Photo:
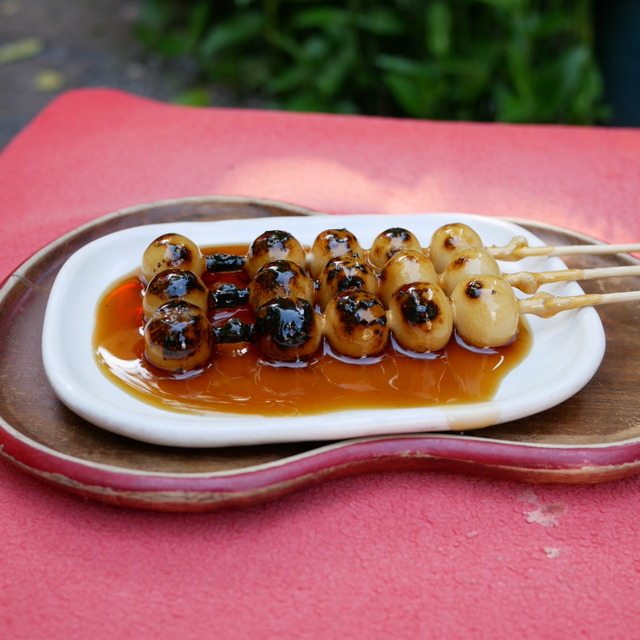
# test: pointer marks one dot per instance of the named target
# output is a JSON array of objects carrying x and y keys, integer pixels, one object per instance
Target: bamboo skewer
[
  {"x": 545, "y": 305},
  {"x": 518, "y": 248},
  {"x": 529, "y": 282}
]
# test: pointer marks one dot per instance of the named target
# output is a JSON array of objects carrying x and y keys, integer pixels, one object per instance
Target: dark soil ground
[{"x": 50, "y": 46}]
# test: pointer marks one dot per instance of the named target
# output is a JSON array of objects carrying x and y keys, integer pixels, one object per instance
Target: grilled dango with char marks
[
  {"x": 280, "y": 279},
  {"x": 355, "y": 324},
  {"x": 403, "y": 268},
  {"x": 485, "y": 311},
  {"x": 329, "y": 244},
  {"x": 288, "y": 329},
  {"x": 345, "y": 273},
  {"x": 172, "y": 251},
  {"x": 420, "y": 317},
  {"x": 271, "y": 246},
  {"x": 178, "y": 337},
  {"x": 175, "y": 284},
  {"x": 390, "y": 242}
]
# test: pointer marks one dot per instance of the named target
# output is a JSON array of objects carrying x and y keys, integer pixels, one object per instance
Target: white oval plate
[{"x": 567, "y": 349}]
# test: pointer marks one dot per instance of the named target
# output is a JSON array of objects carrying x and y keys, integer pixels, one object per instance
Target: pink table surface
[{"x": 388, "y": 555}]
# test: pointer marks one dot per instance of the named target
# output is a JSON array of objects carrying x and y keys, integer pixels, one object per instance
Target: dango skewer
[
  {"x": 350, "y": 272},
  {"x": 476, "y": 260},
  {"x": 286, "y": 326},
  {"x": 176, "y": 251},
  {"x": 519, "y": 248},
  {"x": 483, "y": 309},
  {"x": 284, "y": 278}
]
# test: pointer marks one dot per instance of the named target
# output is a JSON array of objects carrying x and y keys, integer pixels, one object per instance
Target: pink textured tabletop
[{"x": 384, "y": 555}]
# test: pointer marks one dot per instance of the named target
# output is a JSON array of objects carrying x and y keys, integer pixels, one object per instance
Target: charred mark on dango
[
  {"x": 270, "y": 246},
  {"x": 340, "y": 240},
  {"x": 389, "y": 243},
  {"x": 361, "y": 310},
  {"x": 224, "y": 262},
  {"x": 351, "y": 282},
  {"x": 175, "y": 284},
  {"x": 342, "y": 274},
  {"x": 287, "y": 329},
  {"x": 234, "y": 331},
  {"x": 421, "y": 317},
  {"x": 415, "y": 308},
  {"x": 226, "y": 295},
  {"x": 279, "y": 279},
  {"x": 172, "y": 251},
  {"x": 178, "y": 336},
  {"x": 474, "y": 289}
]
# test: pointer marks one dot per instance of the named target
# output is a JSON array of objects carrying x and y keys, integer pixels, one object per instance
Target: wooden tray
[{"x": 592, "y": 437}]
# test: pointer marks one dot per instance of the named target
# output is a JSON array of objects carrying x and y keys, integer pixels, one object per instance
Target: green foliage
[{"x": 491, "y": 60}]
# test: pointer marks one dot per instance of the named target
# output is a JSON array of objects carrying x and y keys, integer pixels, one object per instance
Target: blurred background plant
[{"x": 483, "y": 60}]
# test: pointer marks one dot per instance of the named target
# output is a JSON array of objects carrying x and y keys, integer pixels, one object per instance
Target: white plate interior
[{"x": 557, "y": 366}]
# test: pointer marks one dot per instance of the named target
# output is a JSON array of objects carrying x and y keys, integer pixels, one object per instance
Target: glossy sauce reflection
[{"x": 239, "y": 380}]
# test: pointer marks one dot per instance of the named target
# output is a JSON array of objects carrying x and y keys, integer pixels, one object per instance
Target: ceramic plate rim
[{"x": 82, "y": 386}]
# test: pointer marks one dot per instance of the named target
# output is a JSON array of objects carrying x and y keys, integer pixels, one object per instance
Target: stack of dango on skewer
[{"x": 356, "y": 299}]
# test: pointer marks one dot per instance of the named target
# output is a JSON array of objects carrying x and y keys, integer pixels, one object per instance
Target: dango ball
[
  {"x": 178, "y": 337},
  {"x": 172, "y": 251},
  {"x": 485, "y": 311},
  {"x": 175, "y": 284},
  {"x": 421, "y": 317},
  {"x": 355, "y": 324}
]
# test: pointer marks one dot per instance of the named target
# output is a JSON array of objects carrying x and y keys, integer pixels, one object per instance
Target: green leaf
[
  {"x": 513, "y": 60},
  {"x": 588, "y": 95},
  {"x": 508, "y": 5},
  {"x": 438, "y": 27},
  {"x": 399, "y": 65},
  {"x": 321, "y": 18},
  {"x": 315, "y": 48},
  {"x": 285, "y": 43},
  {"x": 240, "y": 29},
  {"x": 194, "y": 97},
  {"x": 418, "y": 94},
  {"x": 518, "y": 61},
  {"x": 403, "y": 90},
  {"x": 155, "y": 15},
  {"x": 333, "y": 76},
  {"x": 198, "y": 21},
  {"x": 289, "y": 79},
  {"x": 382, "y": 21},
  {"x": 305, "y": 102},
  {"x": 512, "y": 107}
]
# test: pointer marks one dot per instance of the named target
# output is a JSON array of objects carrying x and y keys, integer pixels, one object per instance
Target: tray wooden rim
[{"x": 210, "y": 490}]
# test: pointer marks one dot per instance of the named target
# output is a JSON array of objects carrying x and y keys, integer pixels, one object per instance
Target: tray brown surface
[{"x": 603, "y": 414}]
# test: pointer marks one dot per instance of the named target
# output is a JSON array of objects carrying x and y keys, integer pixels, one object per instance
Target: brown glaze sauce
[{"x": 239, "y": 380}]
